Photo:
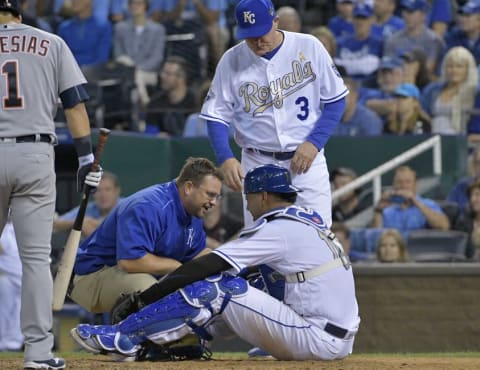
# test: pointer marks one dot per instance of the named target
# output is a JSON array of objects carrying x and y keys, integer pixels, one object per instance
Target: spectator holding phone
[{"x": 403, "y": 209}]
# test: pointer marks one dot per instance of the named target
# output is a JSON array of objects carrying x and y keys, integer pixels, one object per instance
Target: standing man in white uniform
[
  {"x": 318, "y": 320},
  {"x": 284, "y": 97},
  {"x": 37, "y": 69},
  {"x": 11, "y": 338}
]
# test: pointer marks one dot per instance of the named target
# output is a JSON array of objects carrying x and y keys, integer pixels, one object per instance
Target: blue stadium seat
[
  {"x": 437, "y": 245},
  {"x": 364, "y": 240}
]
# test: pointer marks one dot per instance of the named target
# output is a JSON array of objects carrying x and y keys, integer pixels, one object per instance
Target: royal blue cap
[
  {"x": 270, "y": 178},
  {"x": 390, "y": 63},
  {"x": 470, "y": 7},
  {"x": 362, "y": 10},
  {"x": 12, "y": 6},
  {"x": 254, "y": 18},
  {"x": 407, "y": 91},
  {"x": 414, "y": 5}
]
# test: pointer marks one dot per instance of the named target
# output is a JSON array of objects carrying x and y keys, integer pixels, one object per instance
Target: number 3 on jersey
[
  {"x": 12, "y": 100},
  {"x": 302, "y": 102}
]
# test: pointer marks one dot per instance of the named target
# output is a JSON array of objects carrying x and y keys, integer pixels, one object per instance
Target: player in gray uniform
[{"x": 37, "y": 68}]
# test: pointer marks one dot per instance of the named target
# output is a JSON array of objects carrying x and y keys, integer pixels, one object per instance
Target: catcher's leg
[{"x": 169, "y": 319}]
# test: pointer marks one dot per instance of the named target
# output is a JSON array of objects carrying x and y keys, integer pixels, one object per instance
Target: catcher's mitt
[
  {"x": 190, "y": 347},
  {"x": 125, "y": 305}
]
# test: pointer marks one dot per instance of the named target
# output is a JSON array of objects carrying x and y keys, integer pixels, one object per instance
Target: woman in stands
[
  {"x": 450, "y": 100},
  {"x": 391, "y": 247}
]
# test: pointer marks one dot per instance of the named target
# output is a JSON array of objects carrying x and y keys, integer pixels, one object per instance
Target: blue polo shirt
[
  {"x": 388, "y": 28},
  {"x": 410, "y": 218},
  {"x": 364, "y": 122},
  {"x": 90, "y": 39},
  {"x": 152, "y": 220},
  {"x": 340, "y": 27}
]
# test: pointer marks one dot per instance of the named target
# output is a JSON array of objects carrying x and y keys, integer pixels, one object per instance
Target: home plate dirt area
[{"x": 240, "y": 362}]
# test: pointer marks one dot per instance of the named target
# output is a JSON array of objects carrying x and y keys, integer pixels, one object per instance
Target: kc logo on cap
[
  {"x": 254, "y": 18},
  {"x": 249, "y": 17}
]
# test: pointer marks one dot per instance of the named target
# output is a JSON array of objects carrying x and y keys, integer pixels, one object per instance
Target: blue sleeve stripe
[
  {"x": 219, "y": 140},
  {"x": 228, "y": 259},
  {"x": 74, "y": 95},
  {"x": 326, "y": 124},
  {"x": 215, "y": 119},
  {"x": 335, "y": 98}
]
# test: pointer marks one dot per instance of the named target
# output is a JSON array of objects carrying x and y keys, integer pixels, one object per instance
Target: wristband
[
  {"x": 83, "y": 145},
  {"x": 85, "y": 159}
]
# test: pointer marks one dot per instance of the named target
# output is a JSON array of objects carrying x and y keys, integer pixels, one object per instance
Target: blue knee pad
[{"x": 184, "y": 311}]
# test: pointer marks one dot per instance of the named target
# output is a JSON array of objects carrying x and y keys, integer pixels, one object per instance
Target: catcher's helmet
[
  {"x": 270, "y": 178},
  {"x": 12, "y": 6}
]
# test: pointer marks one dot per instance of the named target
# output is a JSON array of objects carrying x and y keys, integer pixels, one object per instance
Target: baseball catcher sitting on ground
[{"x": 318, "y": 319}]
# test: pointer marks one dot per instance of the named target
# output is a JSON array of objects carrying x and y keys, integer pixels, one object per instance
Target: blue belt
[{"x": 281, "y": 156}]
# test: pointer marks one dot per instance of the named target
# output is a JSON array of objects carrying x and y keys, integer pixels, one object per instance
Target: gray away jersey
[{"x": 36, "y": 66}]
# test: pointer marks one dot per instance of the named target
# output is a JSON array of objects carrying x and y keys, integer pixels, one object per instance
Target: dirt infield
[{"x": 355, "y": 362}]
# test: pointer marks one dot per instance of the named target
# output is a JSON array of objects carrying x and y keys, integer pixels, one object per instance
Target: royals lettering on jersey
[
  {"x": 273, "y": 104},
  {"x": 24, "y": 44},
  {"x": 264, "y": 97}
]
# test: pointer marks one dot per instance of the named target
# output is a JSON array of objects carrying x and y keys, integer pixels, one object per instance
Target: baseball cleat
[
  {"x": 259, "y": 353},
  {"x": 88, "y": 343},
  {"x": 51, "y": 364}
]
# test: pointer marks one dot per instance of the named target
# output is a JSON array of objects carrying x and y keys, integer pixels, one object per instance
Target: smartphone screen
[{"x": 397, "y": 199}]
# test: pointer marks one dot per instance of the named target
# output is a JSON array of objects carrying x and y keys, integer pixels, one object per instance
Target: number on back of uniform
[{"x": 12, "y": 100}]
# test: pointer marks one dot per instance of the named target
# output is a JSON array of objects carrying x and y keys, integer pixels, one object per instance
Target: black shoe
[{"x": 52, "y": 364}]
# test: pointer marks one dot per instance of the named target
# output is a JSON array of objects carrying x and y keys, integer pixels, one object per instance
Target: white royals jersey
[
  {"x": 289, "y": 246},
  {"x": 273, "y": 104}
]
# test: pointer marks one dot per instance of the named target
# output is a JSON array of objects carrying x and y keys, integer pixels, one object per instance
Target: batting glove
[{"x": 85, "y": 176}]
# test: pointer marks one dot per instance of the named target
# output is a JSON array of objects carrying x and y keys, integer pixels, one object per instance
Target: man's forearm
[{"x": 149, "y": 264}]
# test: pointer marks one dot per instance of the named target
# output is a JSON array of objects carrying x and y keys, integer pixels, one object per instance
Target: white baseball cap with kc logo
[{"x": 254, "y": 18}]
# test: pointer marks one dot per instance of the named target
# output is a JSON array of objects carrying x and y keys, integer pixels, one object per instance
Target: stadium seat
[
  {"x": 364, "y": 240},
  {"x": 437, "y": 245}
]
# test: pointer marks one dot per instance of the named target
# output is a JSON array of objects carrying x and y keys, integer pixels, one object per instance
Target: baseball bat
[{"x": 65, "y": 268}]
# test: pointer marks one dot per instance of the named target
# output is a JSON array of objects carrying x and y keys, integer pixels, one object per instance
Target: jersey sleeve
[
  {"x": 69, "y": 73},
  {"x": 218, "y": 104},
  {"x": 260, "y": 247},
  {"x": 332, "y": 86},
  {"x": 137, "y": 230}
]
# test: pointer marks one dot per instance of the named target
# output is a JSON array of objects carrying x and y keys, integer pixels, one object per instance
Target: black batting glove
[{"x": 85, "y": 176}]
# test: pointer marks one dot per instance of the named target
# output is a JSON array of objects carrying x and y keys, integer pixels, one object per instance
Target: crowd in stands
[
  {"x": 411, "y": 65},
  {"x": 403, "y": 218}
]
